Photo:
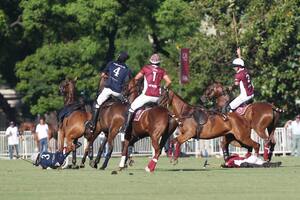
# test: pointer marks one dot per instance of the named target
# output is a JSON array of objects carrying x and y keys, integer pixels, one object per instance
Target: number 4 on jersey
[{"x": 117, "y": 71}]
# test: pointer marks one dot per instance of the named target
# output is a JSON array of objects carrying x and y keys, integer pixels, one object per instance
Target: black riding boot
[
  {"x": 93, "y": 122},
  {"x": 125, "y": 126}
]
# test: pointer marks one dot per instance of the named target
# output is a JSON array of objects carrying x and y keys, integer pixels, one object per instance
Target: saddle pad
[
  {"x": 68, "y": 110},
  {"x": 242, "y": 109},
  {"x": 139, "y": 113}
]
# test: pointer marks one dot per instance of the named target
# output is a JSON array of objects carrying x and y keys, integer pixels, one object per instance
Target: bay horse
[
  {"x": 212, "y": 125},
  {"x": 111, "y": 118},
  {"x": 261, "y": 116},
  {"x": 73, "y": 126}
]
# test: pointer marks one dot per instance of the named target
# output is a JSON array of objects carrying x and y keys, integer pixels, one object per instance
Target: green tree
[
  {"x": 267, "y": 31},
  {"x": 41, "y": 73}
]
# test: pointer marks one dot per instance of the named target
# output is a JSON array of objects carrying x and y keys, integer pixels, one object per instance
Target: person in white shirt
[
  {"x": 42, "y": 134},
  {"x": 12, "y": 135},
  {"x": 295, "y": 128}
]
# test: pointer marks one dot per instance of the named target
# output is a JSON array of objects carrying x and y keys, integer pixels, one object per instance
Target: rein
[{"x": 181, "y": 117}]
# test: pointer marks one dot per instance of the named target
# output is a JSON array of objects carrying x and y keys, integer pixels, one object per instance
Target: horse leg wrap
[
  {"x": 151, "y": 166},
  {"x": 266, "y": 151},
  {"x": 272, "y": 146},
  {"x": 91, "y": 152},
  {"x": 177, "y": 150},
  {"x": 122, "y": 162},
  {"x": 170, "y": 150},
  {"x": 225, "y": 154}
]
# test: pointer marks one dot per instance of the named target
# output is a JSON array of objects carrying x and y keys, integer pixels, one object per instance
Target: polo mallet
[
  {"x": 206, "y": 159},
  {"x": 232, "y": 5},
  {"x": 28, "y": 161}
]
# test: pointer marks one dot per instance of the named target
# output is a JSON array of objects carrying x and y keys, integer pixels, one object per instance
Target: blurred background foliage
[{"x": 44, "y": 41}]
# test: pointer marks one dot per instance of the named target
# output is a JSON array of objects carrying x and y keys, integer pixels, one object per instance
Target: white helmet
[{"x": 238, "y": 61}]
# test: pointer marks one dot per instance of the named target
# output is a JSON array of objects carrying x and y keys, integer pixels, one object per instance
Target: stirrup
[
  {"x": 224, "y": 116},
  {"x": 89, "y": 126}
]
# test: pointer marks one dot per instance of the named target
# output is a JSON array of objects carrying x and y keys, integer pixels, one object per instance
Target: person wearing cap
[
  {"x": 242, "y": 80},
  {"x": 12, "y": 135},
  {"x": 153, "y": 74},
  {"x": 295, "y": 129},
  {"x": 117, "y": 74}
]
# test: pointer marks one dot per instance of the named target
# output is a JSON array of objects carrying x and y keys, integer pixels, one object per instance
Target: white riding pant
[
  {"x": 239, "y": 100},
  {"x": 104, "y": 95},
  {"x": 142, "y": 100}
]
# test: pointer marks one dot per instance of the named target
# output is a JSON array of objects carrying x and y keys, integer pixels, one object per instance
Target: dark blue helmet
[{"x": 123, "y": 56}]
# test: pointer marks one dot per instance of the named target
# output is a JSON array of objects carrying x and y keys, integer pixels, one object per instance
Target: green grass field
[{"x": 185, "y": 181}]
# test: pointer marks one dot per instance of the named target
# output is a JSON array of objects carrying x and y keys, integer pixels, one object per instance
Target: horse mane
[{"x": 188, "y": 104}]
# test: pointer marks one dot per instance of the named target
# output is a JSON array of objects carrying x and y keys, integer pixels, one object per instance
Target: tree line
[{"x": 44, "y": 41}]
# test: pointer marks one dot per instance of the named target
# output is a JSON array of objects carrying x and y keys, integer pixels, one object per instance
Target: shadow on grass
[{"x": 192, "y": 170}]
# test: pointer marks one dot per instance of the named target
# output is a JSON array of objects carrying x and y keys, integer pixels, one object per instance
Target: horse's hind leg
[
  {"x": 225, "y": 141},
  {"x": 88, "y": 151},
  {"x": 152, "y": 164},
  {"x": 74, "y": 166},
  {"x": 272, "y": 144}
]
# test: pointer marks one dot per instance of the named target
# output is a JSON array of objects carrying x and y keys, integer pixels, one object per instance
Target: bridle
[{"x": 129, "y": 90}]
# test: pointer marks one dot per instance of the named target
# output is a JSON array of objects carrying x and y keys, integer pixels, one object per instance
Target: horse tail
[
  {"x": 279, "y": 110},
  {"x": 275, "y": 111},
  {"x": 61, "y": 139}
]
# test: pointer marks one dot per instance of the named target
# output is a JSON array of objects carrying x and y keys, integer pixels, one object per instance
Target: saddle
[
  {"x": 112, "y": 99},
  {"x": 199, "y": 115},
  {"x": 243, "y": 107},
  {"x": 68, "y": 110},
  {"x": 139, "y": 113}
]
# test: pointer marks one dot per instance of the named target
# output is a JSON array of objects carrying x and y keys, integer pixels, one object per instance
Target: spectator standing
[
  {"x": 12, "y": 134},
  {"x": 42, "y": 134},
  {"x": 295, "y": 128}
]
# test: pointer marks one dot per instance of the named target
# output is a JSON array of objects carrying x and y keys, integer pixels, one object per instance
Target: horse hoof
[
  {"x": 131, "y": 162},
  {"x": 121, "y": 168},
  {"x": 114, "y": 172},
  {"x": 102, "y": 168},
  {"x": 147, "y": 169},
  {"x": 82, "y": 166},
  {"x": 93, "y": 164},
  {"x": 75, "y": 167},
  {"x": 175, "y": 162}
]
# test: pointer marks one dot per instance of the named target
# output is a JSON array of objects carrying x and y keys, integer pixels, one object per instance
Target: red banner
[{"x": 185, "y": 68}]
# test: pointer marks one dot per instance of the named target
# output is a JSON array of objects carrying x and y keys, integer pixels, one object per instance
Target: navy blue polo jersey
[{"x": 118, "y": 74}]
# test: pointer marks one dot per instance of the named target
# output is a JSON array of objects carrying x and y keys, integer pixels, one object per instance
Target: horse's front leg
[
  {"x": 108, "y": 155},
  {"x": 124, "y": 155},
  {"x": 178, "y": 141},
  {"x": 94, "y": 163}
]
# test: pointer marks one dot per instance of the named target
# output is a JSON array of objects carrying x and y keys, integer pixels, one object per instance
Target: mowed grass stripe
[{"x": 185, "y": 181}]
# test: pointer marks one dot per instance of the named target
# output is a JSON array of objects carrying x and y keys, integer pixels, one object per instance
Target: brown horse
[
  {"x": 211, "y": 125},
  {"x": 72, "y": 126},
  {"x": 30, "y": 126},
  {"x": 111, "y": 118},
  {"x": 259, "y": 115}
]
